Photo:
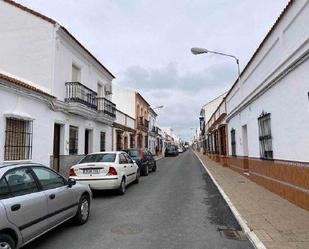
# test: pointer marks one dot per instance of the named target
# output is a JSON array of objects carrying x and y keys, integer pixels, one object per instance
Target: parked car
[
  {"x": 181, "y": 149},
  {"x": 171, "y": 150},
  {"x": 106, "y": 170},
  {"x": 34, "y": 199},
  {"x": 144, "y": 160}
]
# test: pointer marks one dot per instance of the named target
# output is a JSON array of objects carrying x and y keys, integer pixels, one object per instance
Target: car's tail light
[
  {"x": 112, "y": 171},
  {"x": 72, "y": 172}
]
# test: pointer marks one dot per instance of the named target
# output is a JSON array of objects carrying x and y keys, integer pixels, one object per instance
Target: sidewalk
[{"x": 276, "y": 222}]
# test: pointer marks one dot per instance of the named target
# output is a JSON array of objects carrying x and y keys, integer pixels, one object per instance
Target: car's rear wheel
[
  {"x": 146, "y": 171},
  {"x": 122, "y": 187},
  {"x": 6, "y": 242},
  {"x": 154, "y": 168},
  {"x": 83, "y": 211}
]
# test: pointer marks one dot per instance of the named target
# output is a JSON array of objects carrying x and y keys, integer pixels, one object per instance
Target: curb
[{"x": 242, "y": 222}]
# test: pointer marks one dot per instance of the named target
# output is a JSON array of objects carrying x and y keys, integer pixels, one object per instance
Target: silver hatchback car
[{"x": 34, "y": 199}]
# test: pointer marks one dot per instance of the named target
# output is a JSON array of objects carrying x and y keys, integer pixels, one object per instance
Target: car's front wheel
[
  {"x": 6, "y": 242},
  {"x": 83, "y": 211},
  {"x": 137, "y": 177}
]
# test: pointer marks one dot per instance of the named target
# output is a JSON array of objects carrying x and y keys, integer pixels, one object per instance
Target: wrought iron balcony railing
[
  {"x": 106, "y": 106},
  {"x": 77, "y": 92},
  {"x": 142, "y": 122}
]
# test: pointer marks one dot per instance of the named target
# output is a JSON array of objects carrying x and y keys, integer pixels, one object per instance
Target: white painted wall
[
  {"x": 68, "y": 53},
  {"x": 124, "y": 100},
  {"x": 43, "y": 126},
  {"x": 287, "y": 101},
  {"x": 209, "y": 108},
  {"x": 26, "y": 46}
]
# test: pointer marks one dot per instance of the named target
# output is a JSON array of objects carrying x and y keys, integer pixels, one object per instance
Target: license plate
[{"x": 91, "y": 171}]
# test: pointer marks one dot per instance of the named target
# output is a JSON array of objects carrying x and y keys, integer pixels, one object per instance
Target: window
[
  {"x": 102, "y": 158},
  {"x": 21, "y": 182},
  {"x": 102, "y": 141},
  {"x": 122, "y": 159},
  {"x": 4, "y": 189},
  {"x": 233, "y": 142},
  {"x": 73, "y": 143},
  {"x": 129, "y": 160},
  {"x": 18, "y": 139},
  {"x": 75, "y": 73},
  {"x": 265, "y": 138},
  {"x": 48, "y": 179}
]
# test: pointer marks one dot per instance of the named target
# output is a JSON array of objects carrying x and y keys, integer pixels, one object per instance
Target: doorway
[
  {"x": 245, "y": 141},
  {"x": 56, "y": 148},
  {"x": 88, "y": 141}
]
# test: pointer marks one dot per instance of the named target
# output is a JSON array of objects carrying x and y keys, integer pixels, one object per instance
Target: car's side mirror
[{"x": 71, "y": 182}]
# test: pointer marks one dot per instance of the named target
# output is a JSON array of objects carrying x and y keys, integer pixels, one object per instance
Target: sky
[{"x": 146, "y": 45}]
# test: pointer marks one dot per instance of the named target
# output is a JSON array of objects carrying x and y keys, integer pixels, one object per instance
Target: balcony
[
  {"x": 143, "y": 124},
  {"x": 78, "y": 93},
  {"x": 106, "y": 106}
]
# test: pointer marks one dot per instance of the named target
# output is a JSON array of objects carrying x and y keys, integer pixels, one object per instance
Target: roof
[
  {"x": 52, "y": 21},
  {"x": 23, "y": 84},
  {"x": 138, "y": 94}
]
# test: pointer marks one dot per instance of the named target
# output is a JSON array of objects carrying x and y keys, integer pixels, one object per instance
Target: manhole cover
[
  {"x": 127, "y": 229},
  {"x": 232, "y": 234}
]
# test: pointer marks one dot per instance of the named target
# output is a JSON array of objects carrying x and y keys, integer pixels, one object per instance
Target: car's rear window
[
  {"x": 99, "y": 158},
  {"x": 133, "y": 153}
]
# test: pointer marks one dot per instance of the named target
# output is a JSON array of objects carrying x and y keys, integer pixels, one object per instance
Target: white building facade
[
  {"x": 267, "y": 111},
  {"x": 153, "y": 145},
  {"x": 78, "y": 119}
]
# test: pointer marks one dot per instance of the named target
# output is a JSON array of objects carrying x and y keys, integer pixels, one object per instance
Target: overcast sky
[{"x": 146, "y": 45}]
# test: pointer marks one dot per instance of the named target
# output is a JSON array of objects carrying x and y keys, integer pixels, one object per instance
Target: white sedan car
[{"x": 106, "y": 170}]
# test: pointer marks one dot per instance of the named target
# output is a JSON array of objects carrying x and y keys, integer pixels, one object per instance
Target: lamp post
[
  {"x": 158, "y": 107},
  {"x": 197, "y": 51}
]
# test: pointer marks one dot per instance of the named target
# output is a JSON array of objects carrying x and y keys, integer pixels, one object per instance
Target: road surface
[{"x": 176, "y": 207}]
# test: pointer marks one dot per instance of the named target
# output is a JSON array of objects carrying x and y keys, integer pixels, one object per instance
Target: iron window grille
[
  {"x": 102, "y": 141},
  {"x": 233, "y": 142},
  {"x": 132, "y": 141},
  {"x": 73, "y": 140},
  {"x": 266, "y": 151},
  {"x": 18, "y": 139}
]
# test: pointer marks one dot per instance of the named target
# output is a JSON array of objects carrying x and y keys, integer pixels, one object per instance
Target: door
[
  {"x": 86, "y": 142},
  {"x": 125, "y": 142},
  {"x": 132, "y": 169},
  {"x": 61, "y": 204},
  {"x": 26, "y": 207},
  {"x": 124, "y": 166},
  {"x": 56, "y": 150}
]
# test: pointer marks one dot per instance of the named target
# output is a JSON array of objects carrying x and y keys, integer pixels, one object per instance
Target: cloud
[{"x": 170, "y": 77}]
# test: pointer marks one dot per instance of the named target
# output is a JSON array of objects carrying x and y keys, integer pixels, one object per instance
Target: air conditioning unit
[{"x": 108, "y": 89}]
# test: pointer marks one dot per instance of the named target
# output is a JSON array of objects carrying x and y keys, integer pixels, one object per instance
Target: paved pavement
[
  {"x": 278, "y": 223},
  {"x": 176, "y": 207}
]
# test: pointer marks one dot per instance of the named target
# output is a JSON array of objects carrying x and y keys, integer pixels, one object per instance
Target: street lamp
[
  {"x": 197, "y": 51},
  {"x": 158, "y": 107}
]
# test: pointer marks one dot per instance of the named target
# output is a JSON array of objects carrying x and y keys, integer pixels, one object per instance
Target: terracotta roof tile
[{"x": 23, "y": 84}]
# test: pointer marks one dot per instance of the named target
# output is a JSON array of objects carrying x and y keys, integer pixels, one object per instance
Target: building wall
[
  {"x": 42, "y": 116},
  {"x": 68, "y": 53},
  {"x": 26, "y": 46},
  {"x": 44, "y": 119},
  {"x": 124, "y": 100}
]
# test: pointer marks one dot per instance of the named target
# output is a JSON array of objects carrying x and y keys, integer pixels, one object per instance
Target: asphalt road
[{"x": 176, "y": 207}]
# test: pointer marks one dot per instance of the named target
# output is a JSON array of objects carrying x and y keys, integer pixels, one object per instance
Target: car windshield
[
  {"x": 132, "y": 153},
  {"x": 99, "y": 158}
]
